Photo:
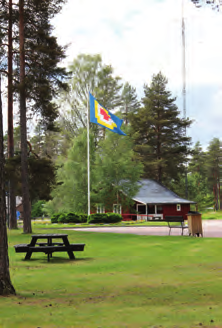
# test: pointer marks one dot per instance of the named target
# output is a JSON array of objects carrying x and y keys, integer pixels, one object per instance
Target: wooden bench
[
  {"x": 175, "y": 219},
  {"x": 44, "y": 248}
]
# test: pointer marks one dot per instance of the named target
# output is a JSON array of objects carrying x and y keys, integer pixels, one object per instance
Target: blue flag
[{"x": 103, "y": 117}]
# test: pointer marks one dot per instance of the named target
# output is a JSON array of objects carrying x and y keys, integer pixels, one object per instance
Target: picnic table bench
[{"x": 50, "y": 246}]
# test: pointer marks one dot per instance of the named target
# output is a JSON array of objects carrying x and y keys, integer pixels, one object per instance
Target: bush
[
  {"x": 83, "y": 218},
  {"x": 73, "y": 218},
  {"x": 55, "y": 217},
  {"x": 104, "y": 218},
  {"x": 97, "y": 218},
  {"x": 62, "y": 218},
  {"x": 113, "y": 217}
]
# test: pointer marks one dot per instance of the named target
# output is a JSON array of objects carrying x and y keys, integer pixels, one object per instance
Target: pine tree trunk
[
  {"x": 6, "y": 287},
  {"x": 12, "y": 217},
  {"x": 27, "y": 228}
]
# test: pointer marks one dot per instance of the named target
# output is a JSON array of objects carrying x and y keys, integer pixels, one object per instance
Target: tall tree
[
  {"x": 40, "y": 77},
  {"x": 130, "y": 104},
  {"x": 213, "y": 169},
  {"x": 197, "y": 163},
  {"x": 6, "y": 287},
  {"x": 116, "y": 170},
  {"x": 88, "y": 74},
  {"x": 70, "y": 193},
  {"x": 27, "y": 228},
  {"x": 7, "y": 19},
  {"x": 158, "y": 133}
]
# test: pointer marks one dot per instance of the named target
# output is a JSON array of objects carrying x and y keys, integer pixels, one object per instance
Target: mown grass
[
  {"x": 211, "y": 215},
  {"x": 118, "y": 281}
]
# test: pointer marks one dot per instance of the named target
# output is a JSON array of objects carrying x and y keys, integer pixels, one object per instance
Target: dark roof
[{"x": 153, "y": 192}]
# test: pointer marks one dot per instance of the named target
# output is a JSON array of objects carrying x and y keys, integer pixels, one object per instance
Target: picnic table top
[{"x": 50, "y": 235}]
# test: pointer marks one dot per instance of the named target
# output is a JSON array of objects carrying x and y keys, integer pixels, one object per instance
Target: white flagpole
[{"x": 88, "y": 157}]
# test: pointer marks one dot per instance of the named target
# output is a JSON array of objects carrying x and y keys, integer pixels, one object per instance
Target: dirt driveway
[{"x": 211, "y": 228}]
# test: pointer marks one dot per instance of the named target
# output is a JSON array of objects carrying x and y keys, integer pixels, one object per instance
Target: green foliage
[
  {"x": 62, "y": 218},
  {"x": 69, "y": 218},
  {"x": 213, "y": 168},
  {"x": 158, "y": 132},
  {"x": 104, "y": 218},
  {"x": 113, "y": 217},
  {"x": 37, "y": 209},
  {"x": 70, "y": 194},
  {"x": 41, "y": 176},
  {"x": 117, "y": 171},
  {"x": 130, "y": 104},
  {"x": 73, "y": 218},
  {"x": 55, "y": 217},
  {"x": 88, "y": 73},
  {"x": 198, "y": 190},
  {"x": 83, "y": 218}
]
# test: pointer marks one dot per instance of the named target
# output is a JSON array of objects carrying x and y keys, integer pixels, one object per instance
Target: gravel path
[{"x": 211, "y": 228}]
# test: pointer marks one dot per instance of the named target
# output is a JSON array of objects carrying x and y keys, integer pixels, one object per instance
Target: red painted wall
[
  {"x": 168, "y": 209},
  {"x": 171, "y": 209}
]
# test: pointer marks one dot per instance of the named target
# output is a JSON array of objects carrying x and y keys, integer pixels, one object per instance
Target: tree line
[{"x": 155, "y": 130}]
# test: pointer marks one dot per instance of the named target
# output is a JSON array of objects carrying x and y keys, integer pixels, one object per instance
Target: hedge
[
  {"x": 54, "y": 218},
  {"x": 104, "y": 218},
  {"x": 69, "y": 218},
  {"x": 82, "y": 218}
]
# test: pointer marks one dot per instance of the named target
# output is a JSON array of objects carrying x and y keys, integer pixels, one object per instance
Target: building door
[{"x": 141, "y": 209}]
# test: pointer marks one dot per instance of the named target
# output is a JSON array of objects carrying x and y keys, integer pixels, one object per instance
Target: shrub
[
  {"x": 104, "y": 218},
  {"x": 62, "y": 218},
  {"x": 97, "y": 218},
  {"x": 113, "y": 217},
  {"x": 83, "y": 218},
  {"x": 55, "y": 217},
  {"x": 73, "y": 218}
]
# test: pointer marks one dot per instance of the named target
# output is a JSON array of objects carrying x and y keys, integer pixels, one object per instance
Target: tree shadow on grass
[{"x": 56, "y": 259}]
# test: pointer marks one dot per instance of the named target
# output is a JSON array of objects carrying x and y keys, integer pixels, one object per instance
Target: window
[
  {"x": 159, "y": 209},
  {"x": 151, "y": 209},
  {"x": 100, "y": 208},
  {"x": 178, "y": 207},
  {"x": 117, "y": 208}
]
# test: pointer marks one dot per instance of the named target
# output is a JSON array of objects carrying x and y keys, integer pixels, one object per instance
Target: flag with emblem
[{"x": 101, "y": 116}]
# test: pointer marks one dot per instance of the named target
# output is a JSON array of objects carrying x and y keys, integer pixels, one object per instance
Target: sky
[{"x": 140, "y": 38}]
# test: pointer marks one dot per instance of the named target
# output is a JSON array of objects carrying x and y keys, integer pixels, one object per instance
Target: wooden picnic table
[{"x": 49, "y": 246}]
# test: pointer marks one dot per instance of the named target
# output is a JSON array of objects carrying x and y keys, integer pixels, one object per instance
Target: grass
[
  {"x": 211, "y": 215},
  {"x": 118, "y": 281}
]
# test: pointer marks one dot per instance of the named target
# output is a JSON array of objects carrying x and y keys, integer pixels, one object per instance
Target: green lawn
[{"x": 118, "y": 281}]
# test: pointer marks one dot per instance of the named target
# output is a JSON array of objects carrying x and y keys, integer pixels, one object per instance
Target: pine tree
[
  {"x": 6, "y": 287},
  {"x": 40, "y": 77},
  {"x": 197, "y": 163},
  {"x": 7, "y": 19},
  {"x": 130, "y": 104},
  {"x": 158, "y": 133},
  {"x": 213, "y": 169}
]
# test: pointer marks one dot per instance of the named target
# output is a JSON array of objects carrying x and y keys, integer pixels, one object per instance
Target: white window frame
[
  {"x": 118, "y": 207},
  {"x": 100, "y": 208},
  {"x": 178, "y": 207}
]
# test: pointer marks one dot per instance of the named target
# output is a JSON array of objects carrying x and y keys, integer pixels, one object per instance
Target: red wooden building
[{"x": 153, "y": 201}]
